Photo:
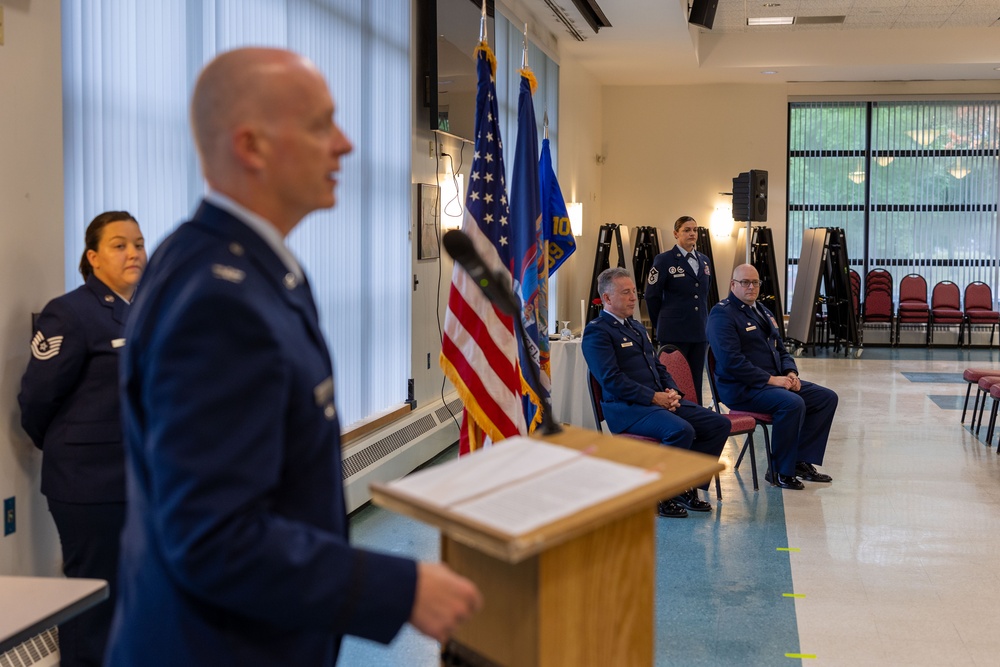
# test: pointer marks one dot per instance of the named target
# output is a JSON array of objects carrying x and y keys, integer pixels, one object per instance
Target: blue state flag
[
  {"x": 556, "y": 231},
  {"x": 529, "y": 260}
]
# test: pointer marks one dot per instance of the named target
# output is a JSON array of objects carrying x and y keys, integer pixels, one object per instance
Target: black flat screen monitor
[{"x": 448, "y": 34}]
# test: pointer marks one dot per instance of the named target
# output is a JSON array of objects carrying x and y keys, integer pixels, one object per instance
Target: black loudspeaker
[
  {"x": 750, "y": 196},
  {"x": 703, "y": 13}
]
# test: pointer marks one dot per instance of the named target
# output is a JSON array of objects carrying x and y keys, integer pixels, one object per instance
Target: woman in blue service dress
[
  {"x": 70, "y": 409},
  {"x": 678, "y": 300}
]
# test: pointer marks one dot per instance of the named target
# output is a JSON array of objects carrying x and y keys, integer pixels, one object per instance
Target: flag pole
[
  {"x": 524, "y": 45},
  {"x": 482, "y": 26}
]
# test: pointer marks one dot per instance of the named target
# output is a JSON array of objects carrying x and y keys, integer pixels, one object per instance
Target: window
[
  {"x": 914, "y": 185},
  {"x": 128, "y": 70}
]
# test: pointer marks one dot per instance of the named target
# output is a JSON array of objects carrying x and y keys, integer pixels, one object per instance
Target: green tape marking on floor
[
  {"x": 793, "y": 595},
  {"x": 803, "y": 656},
  {"x": 787, "y": 548}
]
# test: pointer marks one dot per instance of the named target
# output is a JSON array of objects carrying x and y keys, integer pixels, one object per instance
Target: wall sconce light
[
  {"x": 721, "y": 223},
  {"x": 923, "y": 137},
  {"x": 575, "y": 211},
  {"x": 452, "y": 201},
  {"x": 857, "y": 176},
  {"x": 884, "y": 160}
]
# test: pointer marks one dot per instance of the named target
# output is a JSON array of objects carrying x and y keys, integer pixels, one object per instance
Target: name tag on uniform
[
  {"x": 117, "y": 342},
  {"x": 323, "y": 394},
  {"x": 751, "y": 328},
  {"x": 629, "y": 344},
  {"x": 679, "y": 274}
]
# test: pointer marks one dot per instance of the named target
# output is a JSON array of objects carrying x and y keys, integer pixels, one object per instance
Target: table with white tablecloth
[{"x": 570, "y": 395}]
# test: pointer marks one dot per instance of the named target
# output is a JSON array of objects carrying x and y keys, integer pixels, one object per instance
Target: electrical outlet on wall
[{"x": 9, "y": 516}]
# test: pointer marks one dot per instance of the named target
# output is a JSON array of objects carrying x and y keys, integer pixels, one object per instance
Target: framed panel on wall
[{"x": 429, "y": 222}]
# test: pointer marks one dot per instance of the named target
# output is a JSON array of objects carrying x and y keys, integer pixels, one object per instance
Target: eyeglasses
[{"x": 746, "y": 284}]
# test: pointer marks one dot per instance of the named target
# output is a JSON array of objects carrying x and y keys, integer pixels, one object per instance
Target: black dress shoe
[
  {"x": 807, "y": 472},
  {"x": 784, "y": 481},
  {"x": 670, "y": 509},
  {"x": 689, "y": 500}
]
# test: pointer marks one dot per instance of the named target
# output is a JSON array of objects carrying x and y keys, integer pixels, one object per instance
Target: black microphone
[{"x": 459, "y": 246}]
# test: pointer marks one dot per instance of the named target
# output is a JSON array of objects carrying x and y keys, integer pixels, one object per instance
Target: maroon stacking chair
[
  {"x": 759, "y": 419},
  {"x": 680, "y": 371},
  {"x": 595, "y": 401},
  {"x": 913, "y": 308},
  {"x": 995, "y": 395},
  {"x": 877, "y": 306},
  {"x": 946, "y": 308},
  {"x": 856, "y": 301},
  {"x": 985, "y": 383},
  {"x": 972, "y": 376},
  {"x": 979, "y": 308}
]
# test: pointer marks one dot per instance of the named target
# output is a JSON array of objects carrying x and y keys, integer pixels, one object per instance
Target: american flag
[{"x": 479, "y": 349}]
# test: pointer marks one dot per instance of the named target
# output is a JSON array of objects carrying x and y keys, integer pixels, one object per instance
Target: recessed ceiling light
[
  {"x": 771, "y": 20},
  {"x": 997, "y": 69},
  {"x": 770, "y": 71},
  {"x": 771, "y": 4}
]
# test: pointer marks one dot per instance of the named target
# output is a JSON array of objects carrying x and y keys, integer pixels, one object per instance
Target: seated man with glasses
[
  {"x": 755, "y": 373},
  {"x": 639, "y": 396}
]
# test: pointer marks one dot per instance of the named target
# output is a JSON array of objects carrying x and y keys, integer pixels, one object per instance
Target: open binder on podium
[{"x": 567, "y": 572}]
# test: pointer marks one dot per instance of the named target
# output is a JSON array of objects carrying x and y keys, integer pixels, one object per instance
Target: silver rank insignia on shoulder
[
  {"x": 229, "y": 273},
  {"x": 43, "y": 348},
  {"x": 117, "y": 342},
  {"x": 653, "y": 275},
  {"x": 236, "y": 249}
]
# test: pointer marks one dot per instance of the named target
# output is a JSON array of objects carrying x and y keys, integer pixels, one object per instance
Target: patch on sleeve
[
  {"x": 43, "y": 348},
  {"x": 653, "y": 275},
  {"x": 230, "y": 273}
]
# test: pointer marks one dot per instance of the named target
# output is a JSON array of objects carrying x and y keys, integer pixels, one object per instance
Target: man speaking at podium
[
  {"x": 639, "y": 396},
  {"x": 235, "y": 549}
]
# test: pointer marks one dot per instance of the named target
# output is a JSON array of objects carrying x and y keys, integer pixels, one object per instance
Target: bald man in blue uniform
[
  {"x": 638, "y": 394},
  {"x": 235, "y": 549},
  {"x": 678, "y": 299},
  {"x": 754, "y": 372}
]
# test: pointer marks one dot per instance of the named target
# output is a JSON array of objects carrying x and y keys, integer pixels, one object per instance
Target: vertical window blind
[
  {"x": 915, "y": 185},
  {"x": 128, "y": 70}
]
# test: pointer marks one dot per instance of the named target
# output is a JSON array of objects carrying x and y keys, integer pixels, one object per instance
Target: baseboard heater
[
  {"x": 398, "y": 449},
  {"x": 42, "y": 650}
]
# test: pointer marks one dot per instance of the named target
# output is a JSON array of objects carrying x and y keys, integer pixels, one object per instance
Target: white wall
[
  {"x": 31, "y": 255},
  {"x": 581, "y": 110},
  {"x": 672, "y": 149}
]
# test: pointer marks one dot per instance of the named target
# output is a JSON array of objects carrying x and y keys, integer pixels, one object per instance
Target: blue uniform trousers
[
  {"x": 802, "y": 422},
  {"x": 89, "y": 534},
  {"x": 690, "y": 427}
]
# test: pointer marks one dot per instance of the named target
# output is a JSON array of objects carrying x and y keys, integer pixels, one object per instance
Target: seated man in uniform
[
  {"x": 639, "y": 396},
  {"x": 754, "y": 372}
]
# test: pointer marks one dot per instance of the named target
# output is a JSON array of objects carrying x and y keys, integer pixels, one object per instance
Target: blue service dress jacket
[
  {"x": 235, "y": 549},
  {"x": 677, "y": 297},
  {"x": 624, "y": 362},
  {"x": 69, "y": 395},
  {"x": 748, "y": 349}
]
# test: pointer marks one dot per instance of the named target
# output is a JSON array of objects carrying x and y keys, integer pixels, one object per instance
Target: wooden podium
[{"x": 575, "y": 592}]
